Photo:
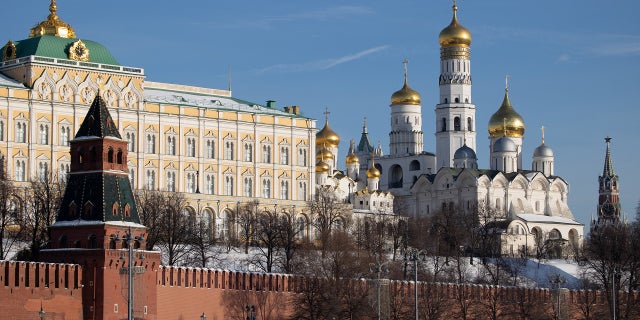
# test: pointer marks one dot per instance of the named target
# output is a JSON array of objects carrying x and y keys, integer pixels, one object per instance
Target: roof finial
[
  {"x": 542, "y": 129},
  {"x": 405, "y": 62},
  {"x": 455, "y": 7},
  {"x": 364, "y": 125},
  {"x": 506, "y": 83},
  {"x": 229, "y": 76},
  {"x": 326, "y": 114},
  {"x": 53, "y": 8}
]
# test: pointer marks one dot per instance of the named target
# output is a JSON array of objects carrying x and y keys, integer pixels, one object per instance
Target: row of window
[
  {"x": 170, "y": 147},
  {"x": 457, "y": 125},
  {"x": 228, "y": 185}
]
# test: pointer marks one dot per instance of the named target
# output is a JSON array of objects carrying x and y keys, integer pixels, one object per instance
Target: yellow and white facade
[{"x": 218, "y": 150}]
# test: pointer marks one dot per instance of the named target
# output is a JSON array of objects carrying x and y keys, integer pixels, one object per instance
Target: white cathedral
[{"x": 529, "y": 205}]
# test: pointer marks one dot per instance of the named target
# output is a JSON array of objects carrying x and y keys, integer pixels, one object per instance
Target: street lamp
[
  {"x": 129, "y": 239},
  {"x": 615, "y": 274},
  {"x": 41, "y": 313},
  {"x": 415, "y": 255},
  {"x": 558, "y": 280},
  {"x": 378, "y": 267},
  {"x": 251, "y": 312},
  {"x": 203, "y": 316}
]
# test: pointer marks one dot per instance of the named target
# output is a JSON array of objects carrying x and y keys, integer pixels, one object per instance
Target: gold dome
[
  {"x": 327, "y": 137},
  {"x": 373, "y": 172},
  {"x": 406, "y": 95},
  {"x": 324, "y": 154},
  {"x": 352, "y": 158},
  {"x": 53, "y": 26},
  {"x": 455, "y": 34},
  {"x": 507, "y": 117},
  {"x": 322, "y": 167}
]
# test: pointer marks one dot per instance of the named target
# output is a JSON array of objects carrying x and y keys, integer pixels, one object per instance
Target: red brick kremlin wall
[{"x": 186, "y": 293}]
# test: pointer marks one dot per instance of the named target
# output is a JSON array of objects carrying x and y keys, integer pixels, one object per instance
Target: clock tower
[{"x": 609, "y": 208}]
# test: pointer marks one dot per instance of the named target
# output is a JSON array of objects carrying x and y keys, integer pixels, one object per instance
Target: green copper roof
[{"x": 57, "y": 47}]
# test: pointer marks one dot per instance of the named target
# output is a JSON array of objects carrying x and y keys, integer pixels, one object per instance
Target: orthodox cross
[
  {"x": 405, "y": 62},
  {"x": 542, "y": 129},
  {"x": 326, "y": 113}
]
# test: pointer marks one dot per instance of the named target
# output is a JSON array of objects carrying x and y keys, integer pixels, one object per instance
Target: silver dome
[
  {"x": 465, "y": 152},
  {"x": 543, "y": 151},
  {"x": 505, "y": 144}
]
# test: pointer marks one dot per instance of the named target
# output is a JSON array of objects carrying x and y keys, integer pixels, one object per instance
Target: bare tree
[
  {"x": 328, "y": 215},
  {"x": 10, "y": 228},
  {"x": 289, "y": 242},
  {"x": 174, "y": 237},
  {"x": 203, "y": 244},
  {"x": 150, "y": 204},
  {"x": 267, "y": 235},
  {"x": 43, "y": 200},
  {"x": 245, "y": 217}
]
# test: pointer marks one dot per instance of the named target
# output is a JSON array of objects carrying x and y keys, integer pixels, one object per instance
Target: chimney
[
  {"x": 271, "y": 104},
  {"x": 287, "y": 109},
  {"x": 295, "y": 110}
]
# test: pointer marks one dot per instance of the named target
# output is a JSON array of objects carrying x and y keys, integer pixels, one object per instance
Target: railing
[{"x": 66, "y": 62}]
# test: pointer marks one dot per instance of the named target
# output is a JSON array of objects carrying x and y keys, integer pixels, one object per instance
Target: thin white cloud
[
  {"x": 565, "y": 57},
  {"x": 320, "y": 64},
  {"x": 338, "y": 12},
  {"x": 616, "y": 45}
]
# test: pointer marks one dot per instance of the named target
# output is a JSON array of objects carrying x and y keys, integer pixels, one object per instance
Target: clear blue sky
[{"x": 574, "y": 66}]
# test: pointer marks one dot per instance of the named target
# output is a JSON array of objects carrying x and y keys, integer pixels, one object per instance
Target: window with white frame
[
  {"x": 43, "y": 172},
  {"x": 210, "y": 149},
  {"x": 150, "y": 179},
  {"x": 248, "y": 151},
  {"x": 191, "y": 147},
  {"x": 266, "y": 153},
  {"x": 266, "y": 188},
  {"x": 65, "y": 135},
  {"x": 43, "y": 133},
  {"x": 302, "y": 156},
  {"x": 64, "y": 172},
  {"x": 247, "y": 187},
  {"x": 20, "y": 170},
  {"x": 284, "y": 190},
  {"x": 21, "y": 131},
  {"x": 150, "y": 146},
  {"x": 131, "y": 139},
  {"x": 302, "y": 190},
  {"x": 171, "y": 145},
  {"x": 210, "y": 184},
  {"x": 284, "y": 155},
  {"x": 228, "y": 150},
  {"x": 228, "y": 185},
  {"x": 191, "y": 182},
  {"x": 171, "y": 181}
]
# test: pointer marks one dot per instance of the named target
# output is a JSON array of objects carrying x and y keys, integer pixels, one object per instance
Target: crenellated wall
[
  {"x": 187, "y": 293},
  {"x": 25, "y": 287}
]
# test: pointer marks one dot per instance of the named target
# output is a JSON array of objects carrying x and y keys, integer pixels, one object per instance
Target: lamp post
[
  {"x": 415, "y": 255},
  {"x": 251, "y": 312},
  {"x": 41, "y": 313},
  {"x": 129, "y": 240},
  {"x": 615, "y": 273},
  {"x": 558, "y": 280},
  {"x": 203, "y": 316},
  {"x": 378, "y": 267}
]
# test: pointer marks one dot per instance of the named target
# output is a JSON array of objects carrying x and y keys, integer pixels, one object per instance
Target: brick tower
[
  {"x": 99, "y": 228},
  {"x": 609, "y": 209}
]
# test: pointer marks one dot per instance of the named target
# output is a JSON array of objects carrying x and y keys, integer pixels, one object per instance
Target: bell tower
[{"x": 99, "y": 228}]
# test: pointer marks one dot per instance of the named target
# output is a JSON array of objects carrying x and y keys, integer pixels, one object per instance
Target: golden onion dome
[
  {"x": 324, "y": 154},
  {"x": 327, "y": 137},
  {"x": 322, "y": 167},
  {"x": 506, "y": 121},
  {"x": 53, "y": 26},
  {"x": 455, "y": 34},
  {"x": 406, "y": 95},
  {"x": 373, "y": 172},
  {"x": 352, "y": 158}
]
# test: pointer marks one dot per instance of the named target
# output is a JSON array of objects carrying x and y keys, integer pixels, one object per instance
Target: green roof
[{"x": 57, "y": 47}]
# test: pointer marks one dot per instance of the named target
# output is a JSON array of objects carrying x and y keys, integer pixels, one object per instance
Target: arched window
[
  {"x": 414, "y": 165},
  {"x": 110, "y": 155},
  {"x": 266, "y": 188},
  {"x": 248, "y": 187},
  {"x": 456, "y": 124},
  {"x": 444, "y": 124},
  {"x": 119, "y": 157},
  {"x": 457, "y": 100},
  {"x": 469, "y": 124},
  {"x": 395, "y": 176}
]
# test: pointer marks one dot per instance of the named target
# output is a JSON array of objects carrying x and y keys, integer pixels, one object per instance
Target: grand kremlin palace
[{"x": 216, "y": 149}]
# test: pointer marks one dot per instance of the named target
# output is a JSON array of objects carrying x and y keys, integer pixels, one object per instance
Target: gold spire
[
  {"x": 455, "y": 34},
  {"x": 406, "y": 95},
  {"x": 506, "y": 121},
  {"x": 53, "y": 26},
  {"x": 326, "y": 135}
]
